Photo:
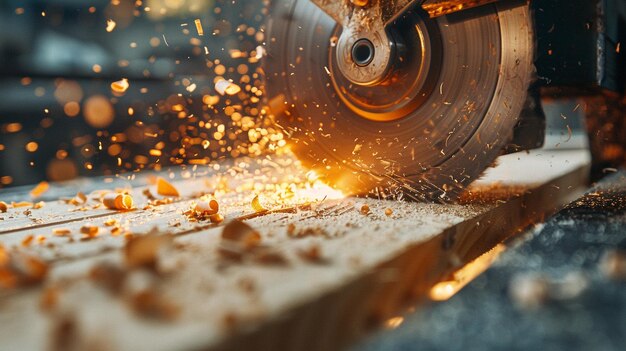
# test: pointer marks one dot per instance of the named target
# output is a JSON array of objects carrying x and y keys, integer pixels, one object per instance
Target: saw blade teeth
[{"x": 427, "y": 129}]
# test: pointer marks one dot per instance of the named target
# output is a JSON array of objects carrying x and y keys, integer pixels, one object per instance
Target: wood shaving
[
  {"x": 225, "y": 87},
  {"x": 307, "y": 232},
  {"x": 108, "y": 276},
  {"x": 199, "y": 27},
  {"x": 143, "y": 250},
  {"x": 28, "y": 240},
  {"x": 216, "y": 218},
  {"x": 207, "y": 206},
  {"x": 110, "y": 25},
  {"x": 230, "y": 251},
  {"x": 61, "y": 232},
  {"x": 313, "y": 253},
  {"x": 206, "y": 209},
  {"x": 256, "y": 205},
  {"x": 77, "y": 200},
  {"x": 89, "y": 232},
  {"x": 364, "y": 209},
  {"x": 151, "y": 305},
  {"x": 110, "y": 222},
  {"x": 164, "y": 188},
  {"x": 116, "y": 231},
  {"x": 20, "y": 270},
  {"x": 39, "y": 190},
  {"x": 270, "y": 257},
  {"x": 148, "y": 194},
  {"x": 21, "y": 204},
  {"x": 120, "y": 86},
  {"x": 120, "y": 202},
  {"x": 241, "y": 234}
]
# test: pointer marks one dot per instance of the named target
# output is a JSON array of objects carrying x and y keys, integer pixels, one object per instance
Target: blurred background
[{"x": 60, "y": 116}]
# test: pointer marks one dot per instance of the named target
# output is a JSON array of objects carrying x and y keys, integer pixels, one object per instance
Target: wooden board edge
[{"x": 340, "y": 317}]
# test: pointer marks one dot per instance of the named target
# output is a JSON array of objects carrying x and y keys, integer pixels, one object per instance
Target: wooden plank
[{"x": 370, "y": 266}]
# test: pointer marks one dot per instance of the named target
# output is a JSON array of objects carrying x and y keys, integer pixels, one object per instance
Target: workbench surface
[{"x": 323, "y": 270}]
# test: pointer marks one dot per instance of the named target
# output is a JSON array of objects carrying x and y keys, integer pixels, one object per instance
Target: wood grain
[{"x": 369, "y": 267}]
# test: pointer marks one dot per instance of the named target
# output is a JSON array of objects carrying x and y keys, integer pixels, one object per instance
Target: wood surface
[{"x": 325, "y": 273}]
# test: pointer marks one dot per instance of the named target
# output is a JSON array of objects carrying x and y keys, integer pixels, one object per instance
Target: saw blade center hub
[{"x": 363, "y": 52}]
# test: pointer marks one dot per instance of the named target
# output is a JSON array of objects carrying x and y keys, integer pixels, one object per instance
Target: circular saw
[{"x": 384, "y": 96}]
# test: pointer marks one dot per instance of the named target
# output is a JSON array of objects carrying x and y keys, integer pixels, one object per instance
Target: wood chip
[
  {"x": 90, "y": 230},
  {"x": 148, "y": 194},
  {"x": 39, "y": 205},
  {"x": 21, "y": 270},
  {"x": 207, "y": 206},
  {"x": 256, "y": 205},
  {"x": 116, "y": 231},
  {"x": 199, "y": 27},
  {"x": 299, "y": 233},
  {"x": 230, "y": 251},
  {"x": 225, "y": 87},
  {"x": 120, "y": 202},
  {"x": 120, "y": 86},
  {"x": 143, "y": 250},
  {"x": 269, "y": 257},
  {"x": 312, "y": 253},
  {"x": 164, "y": 188},
  {"x": 28, "y": 240},
  {"x": 216, "y": 218},
  {"x": 39, "y": 189},
  {"x": 110, "y": 222},
  {"x": 242, "y": 234},
  {"x": 110, "y": 25},
  {"x": 21, "y": 204},
  {"x": 151, "y": 305},
  {"x": 79, "y": 199},
  {"x": 108, "y": 276},
  {"x": 61, "y": 232},
  {"x": 363, "y": 208}
]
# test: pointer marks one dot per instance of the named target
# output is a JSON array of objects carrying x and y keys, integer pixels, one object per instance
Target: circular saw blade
[{"x": 439, "y": 146}]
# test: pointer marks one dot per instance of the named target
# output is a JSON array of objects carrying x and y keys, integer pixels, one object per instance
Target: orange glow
[
  {"x": 444, "y": 290},
  {"x": 71, "y": 109},
  {"x": 393, "y": 323},
  {"x": 32, "y": 146},
  {"x": 13, "y": 127},
  {"x": 98, "y": 112}
]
